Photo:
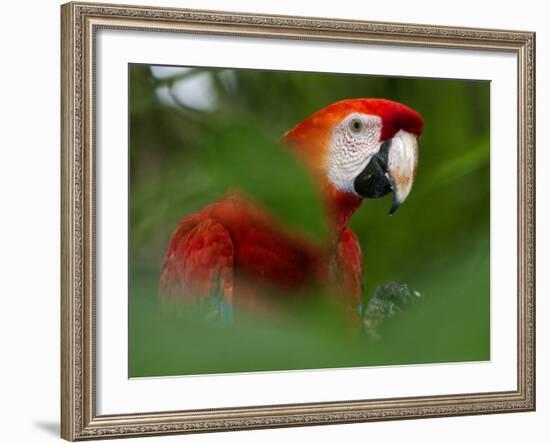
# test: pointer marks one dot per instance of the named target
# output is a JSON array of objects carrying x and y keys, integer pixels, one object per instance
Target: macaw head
[{"x": 360, "y": 148}]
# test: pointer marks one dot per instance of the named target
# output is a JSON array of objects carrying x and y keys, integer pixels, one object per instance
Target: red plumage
[
  {"x": 245, "y": 247},
  {"x": 237, "y": 243}
]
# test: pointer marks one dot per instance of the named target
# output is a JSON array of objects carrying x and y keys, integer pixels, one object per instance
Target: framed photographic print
[{"x": 283, "y": 221}]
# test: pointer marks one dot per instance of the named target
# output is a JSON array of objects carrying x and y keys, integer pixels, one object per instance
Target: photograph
[{"x": 288, "y": 220}]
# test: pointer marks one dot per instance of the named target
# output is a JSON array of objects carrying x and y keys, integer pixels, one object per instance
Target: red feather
[{"x": 238, "y": 242}]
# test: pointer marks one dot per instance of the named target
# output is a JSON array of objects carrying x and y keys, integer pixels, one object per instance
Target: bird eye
[{"x": 356, "y": 125}]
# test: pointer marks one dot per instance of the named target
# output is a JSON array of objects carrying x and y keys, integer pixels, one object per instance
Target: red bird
[{"x": 355, "y": 149}]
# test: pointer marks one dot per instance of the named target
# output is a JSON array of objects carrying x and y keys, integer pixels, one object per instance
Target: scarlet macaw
[{"x": 356, "y": 149}]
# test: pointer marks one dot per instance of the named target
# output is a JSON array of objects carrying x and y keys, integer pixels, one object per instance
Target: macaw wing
[
  {"x": 199, "y": 258},
  {"x": 350, "y": 266}
]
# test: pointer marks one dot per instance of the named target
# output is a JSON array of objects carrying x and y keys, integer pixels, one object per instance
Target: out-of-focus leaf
[
  {"x": 455, "y": 168},
  {"x": 450, "y": 324},
  {"x": 243, "y": 158}
]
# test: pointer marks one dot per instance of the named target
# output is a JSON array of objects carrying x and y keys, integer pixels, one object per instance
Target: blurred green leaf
[
  {"x": 455, "y": 168},
  {"x": 242, "y": 157},
  {"x": 451, "y": 324}
]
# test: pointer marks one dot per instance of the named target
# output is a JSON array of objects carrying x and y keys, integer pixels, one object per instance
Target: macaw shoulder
[
  {"x": 200, "y": 253},
  {"x": 261, "y": 247}
]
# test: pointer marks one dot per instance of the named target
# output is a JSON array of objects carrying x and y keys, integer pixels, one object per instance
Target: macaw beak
[{"x": 391, "y": 169}]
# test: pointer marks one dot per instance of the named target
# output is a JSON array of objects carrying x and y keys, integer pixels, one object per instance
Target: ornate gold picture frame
[{"x": 80, "y": 23}]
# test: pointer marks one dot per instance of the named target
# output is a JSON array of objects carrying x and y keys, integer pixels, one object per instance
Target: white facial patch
[{"x": 354, "y": 141}]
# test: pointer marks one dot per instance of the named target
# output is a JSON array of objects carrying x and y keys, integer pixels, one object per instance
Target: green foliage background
[{"x": 182, "y": 158}]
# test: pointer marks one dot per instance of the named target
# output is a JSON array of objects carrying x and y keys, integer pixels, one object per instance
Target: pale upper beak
[{"x": 391, "y": 169}]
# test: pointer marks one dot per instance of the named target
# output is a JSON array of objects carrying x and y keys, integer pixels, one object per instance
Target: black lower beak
[{"x": 373, "y": 181}]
